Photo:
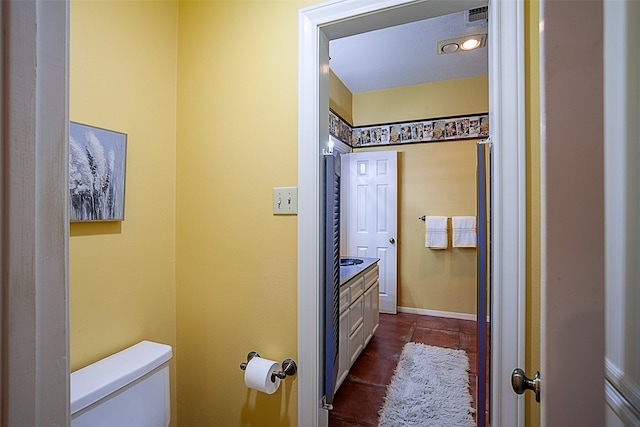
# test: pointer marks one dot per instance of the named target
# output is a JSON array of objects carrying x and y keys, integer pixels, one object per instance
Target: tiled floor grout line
[{"x": 413, "y": 330}]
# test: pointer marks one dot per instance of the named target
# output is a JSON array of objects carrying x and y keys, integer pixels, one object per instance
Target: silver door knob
[
  {"x": 521, "y": 383},
  {"x": 392, "y": 240}
]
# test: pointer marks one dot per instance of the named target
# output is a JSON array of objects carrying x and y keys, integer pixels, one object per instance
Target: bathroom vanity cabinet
[{"x": 359, "y": 314}]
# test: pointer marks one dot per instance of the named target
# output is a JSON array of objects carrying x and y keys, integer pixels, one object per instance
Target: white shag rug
[{"x": 430, "y": 387}]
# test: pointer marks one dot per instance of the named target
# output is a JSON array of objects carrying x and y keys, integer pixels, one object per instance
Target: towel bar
[{"x": 424, "y": 217}]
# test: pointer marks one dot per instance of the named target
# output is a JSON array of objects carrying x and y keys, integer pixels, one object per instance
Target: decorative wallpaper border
[
  {"x": 472, "y": 126},
  {"x": 339, "y": 129}
]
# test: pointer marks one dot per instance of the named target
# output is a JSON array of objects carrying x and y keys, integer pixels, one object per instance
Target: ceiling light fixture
[
  {"x": 469, "y": 42},
  {"x": 450, "y": 47}
]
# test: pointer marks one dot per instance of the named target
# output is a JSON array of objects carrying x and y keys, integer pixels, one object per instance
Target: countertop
[{"x": 350, "y": 271}]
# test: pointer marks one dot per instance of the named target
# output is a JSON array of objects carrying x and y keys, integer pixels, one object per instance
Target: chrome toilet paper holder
[{"x": 288, "y": 366}]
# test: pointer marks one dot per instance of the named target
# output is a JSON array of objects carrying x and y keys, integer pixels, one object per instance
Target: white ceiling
[{"x": 406, "y": 54}]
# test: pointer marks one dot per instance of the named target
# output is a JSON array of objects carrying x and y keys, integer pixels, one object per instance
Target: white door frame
[
  {"x": 34, "y": 349},
  {"x": 507, "y": 115}
]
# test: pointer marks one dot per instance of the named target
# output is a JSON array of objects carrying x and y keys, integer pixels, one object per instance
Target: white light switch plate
[{"x": 285, "y": 200}]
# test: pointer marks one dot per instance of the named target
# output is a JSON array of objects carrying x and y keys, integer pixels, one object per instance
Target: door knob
[
  {"x": 521, "y": 383},
  {"x": 392, "y": 240}
]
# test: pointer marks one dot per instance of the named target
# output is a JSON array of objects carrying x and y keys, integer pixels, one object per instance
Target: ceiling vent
[{"x": 479, "y": 14}]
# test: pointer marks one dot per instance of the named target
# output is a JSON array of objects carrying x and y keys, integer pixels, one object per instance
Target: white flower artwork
[{"x": 96, "y": 173}]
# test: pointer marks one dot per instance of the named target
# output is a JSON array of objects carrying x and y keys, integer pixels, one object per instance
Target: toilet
[{"x": 127, "y": 389}]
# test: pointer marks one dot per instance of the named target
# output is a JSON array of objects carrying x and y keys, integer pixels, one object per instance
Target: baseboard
[{"x": 425, "y": 312}]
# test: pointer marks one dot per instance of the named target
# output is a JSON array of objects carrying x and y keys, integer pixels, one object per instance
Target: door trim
[
  {"x": 316, "y": 25},
  {"x": 34, "y": 343}
]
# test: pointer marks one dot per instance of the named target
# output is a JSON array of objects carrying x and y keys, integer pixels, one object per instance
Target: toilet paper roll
[{"x": 258, "y": 375}]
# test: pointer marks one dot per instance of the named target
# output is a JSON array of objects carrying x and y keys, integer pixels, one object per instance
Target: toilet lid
[{"x": 100, "y": 379}]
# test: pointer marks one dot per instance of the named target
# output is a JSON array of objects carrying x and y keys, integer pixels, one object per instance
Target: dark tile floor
[{"x": 361, "y": 395}]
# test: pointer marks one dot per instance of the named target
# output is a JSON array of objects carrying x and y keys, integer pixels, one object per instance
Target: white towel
[
  {"x": 436, "y": 232},
  {"x": 463, "y": 231}
]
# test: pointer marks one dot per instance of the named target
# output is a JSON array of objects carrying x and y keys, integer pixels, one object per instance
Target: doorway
[
  {"x": 438, "y": 178},
  {"x": 319, "y": 24}
]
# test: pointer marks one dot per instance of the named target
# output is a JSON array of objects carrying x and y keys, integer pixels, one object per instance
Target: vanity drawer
[
  {"x": 356, "y": 288},
  {"x": 344, "y": 299},
  {"x": 356, "y": 314},
  {"x": 371, "y": 276}
]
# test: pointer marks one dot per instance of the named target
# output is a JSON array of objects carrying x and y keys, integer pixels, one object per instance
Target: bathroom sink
[{"x": 350, "y": 261}]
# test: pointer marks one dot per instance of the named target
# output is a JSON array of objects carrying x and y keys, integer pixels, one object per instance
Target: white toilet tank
[{"x": 127, "y": 389}]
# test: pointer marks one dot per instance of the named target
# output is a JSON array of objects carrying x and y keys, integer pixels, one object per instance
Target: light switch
[{"x": 285, "y": 200}]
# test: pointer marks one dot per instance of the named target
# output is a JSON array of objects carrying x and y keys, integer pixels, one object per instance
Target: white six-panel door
[{"x": 372, "y": 216}]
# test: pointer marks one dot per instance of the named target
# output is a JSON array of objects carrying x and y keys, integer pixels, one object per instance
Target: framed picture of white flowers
[{"x": 97, "y": 159}]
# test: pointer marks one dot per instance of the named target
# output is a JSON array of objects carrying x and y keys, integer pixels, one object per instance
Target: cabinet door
[
  {"x": 356, "y": 329},
  {"x": 371, "y": 311},
  {"x": 375, "y": 307},
  {"x": 356, "y": 314},
  {"x": 343, "y": 349},
  {"x": 368, "y": 314},
  {"x": 356, "y": 341}
]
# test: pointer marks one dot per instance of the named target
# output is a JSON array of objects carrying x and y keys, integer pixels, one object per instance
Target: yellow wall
[
  {"x": 200, "y": 254},
  {"x": 236, "y": 275},
  {"x": 122, "y": 274},
  {"x": 340, "y": 98},
  {"x": 433, "y": 179},
  {"x": 442, "y": 99}
]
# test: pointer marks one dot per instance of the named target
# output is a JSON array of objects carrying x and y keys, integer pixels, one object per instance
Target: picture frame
[{"x": 97, "y": 164}]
